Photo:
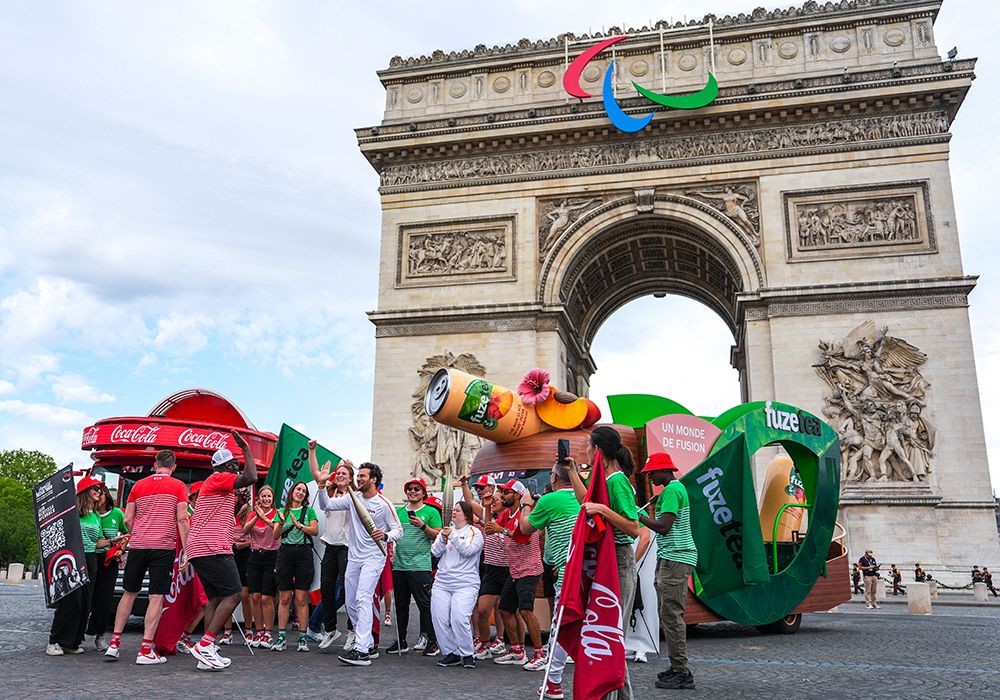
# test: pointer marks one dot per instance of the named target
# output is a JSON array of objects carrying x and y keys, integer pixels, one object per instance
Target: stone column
[
  {"x": 979, "y": 592},
  {"x": 15, "y": 574},
  {"x": 918, "y": 598}
]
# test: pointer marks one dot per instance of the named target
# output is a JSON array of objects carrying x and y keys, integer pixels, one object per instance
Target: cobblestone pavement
[{"x": 849, "y": 653}]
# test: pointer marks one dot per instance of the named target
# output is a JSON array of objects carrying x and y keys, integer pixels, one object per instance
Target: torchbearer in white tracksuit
[
  {"x": 365, "y": 560},
  {"x": 456, "y": 587}
]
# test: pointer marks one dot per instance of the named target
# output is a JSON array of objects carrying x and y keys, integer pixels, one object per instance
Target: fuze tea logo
[
  {"x": 797, "y": 422},
  {"x": 621, "y": 120},
  {"x": 722, "y": 514},
  {"x": 485, "y": 404},
  {"x": 795, "y": 486}
]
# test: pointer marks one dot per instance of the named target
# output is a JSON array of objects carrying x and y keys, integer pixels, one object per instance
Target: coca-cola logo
[
  {"x": 206, "y": 441},
  {"x": 139, "y": 434},
  {"x": 90, "y": 436},
  {"x": 181, "y": 578},
  {"x": 602, "y": 624}
]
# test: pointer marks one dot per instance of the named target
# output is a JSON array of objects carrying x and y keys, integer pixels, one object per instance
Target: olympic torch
[{"x": 366, "y": 519}]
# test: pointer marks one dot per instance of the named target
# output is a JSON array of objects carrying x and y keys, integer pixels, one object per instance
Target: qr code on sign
[{"x": 53, "y": 538}]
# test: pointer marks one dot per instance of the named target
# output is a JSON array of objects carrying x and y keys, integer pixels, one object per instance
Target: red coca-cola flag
[
  {"x": 591, "y": 630},
  {"x": 182, "y": 603},
  {"x": 382, "y": 588}
]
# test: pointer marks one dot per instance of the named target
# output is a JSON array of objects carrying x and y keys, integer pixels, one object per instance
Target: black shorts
[
  {"x": 295, "y": 568},
  {"x": 158, "y": 562},
  {"x": 549, "y": 575},
  {"x": 260, "y": 572},
  {"x": 218, "y": 574},
  {"x": 492, "y": 579},
  {"x": 519, "y": 594},
  {"x": 242, "y": 557}
]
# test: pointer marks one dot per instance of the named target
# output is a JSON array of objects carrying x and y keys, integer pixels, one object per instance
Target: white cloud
[
  {"x": 6, "y": 387},
  {"x": 72, "y": 388},
  {"x": 45, "y": 414},
  {"x": 181, "y": 334}
]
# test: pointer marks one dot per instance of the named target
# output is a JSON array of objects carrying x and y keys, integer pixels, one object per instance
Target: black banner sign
[{"x": 60, "y": 539}]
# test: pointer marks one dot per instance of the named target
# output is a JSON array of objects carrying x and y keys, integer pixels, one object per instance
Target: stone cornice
[
  {"x": 903, "y": 295},
  {"x": 569, "y": 115},
  {"x": 809, "y": 13},
  {"x": 481, "y": 318}
]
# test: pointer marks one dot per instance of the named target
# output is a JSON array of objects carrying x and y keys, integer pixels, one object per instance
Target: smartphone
[{"x": 563, "y": 453}]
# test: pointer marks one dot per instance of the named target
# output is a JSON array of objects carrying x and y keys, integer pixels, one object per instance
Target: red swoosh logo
[{"x": 571, "y": 79}]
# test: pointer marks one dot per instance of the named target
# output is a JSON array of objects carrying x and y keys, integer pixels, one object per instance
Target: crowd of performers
[{"x": 483, "y": 565}]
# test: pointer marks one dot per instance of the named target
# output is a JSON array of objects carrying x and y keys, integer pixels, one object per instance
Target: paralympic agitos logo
[{"x": 618, "y": 117}]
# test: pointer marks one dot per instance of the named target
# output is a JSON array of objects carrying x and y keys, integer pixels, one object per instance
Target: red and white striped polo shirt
[
  {"x": 155, "y": 524},
  {"x": 523, "y": 551},
  {"x": 211, "y": 525}
]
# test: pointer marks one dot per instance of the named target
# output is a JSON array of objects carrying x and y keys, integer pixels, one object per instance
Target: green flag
[
  {"x": 724, "y": 522},
  {"x": 291, "y": 462}
]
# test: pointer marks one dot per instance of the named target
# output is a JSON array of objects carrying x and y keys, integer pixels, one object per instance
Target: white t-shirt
[
  {"x": 335, "y": 529},
  {"x": 360, "y": 546},
  {"x": 458, "y": 565}
]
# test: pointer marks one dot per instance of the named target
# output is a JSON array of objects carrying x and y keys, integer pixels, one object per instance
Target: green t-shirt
[
  {"x": 291, "y": 534},
  {"x": 678, "y": 544},
  {"x": 622, "y": 498},
  {"x": 112, "y": 525},
  {"x": 90, "y": 525},
  {"x": 556, "y": 513},
  {"x": 413, "y": 551}
]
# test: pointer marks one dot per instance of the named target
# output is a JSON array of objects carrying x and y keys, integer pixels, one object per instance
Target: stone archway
[{"x": 809, "y": 206}]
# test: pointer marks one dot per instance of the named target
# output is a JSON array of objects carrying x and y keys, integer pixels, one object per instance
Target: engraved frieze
[
  {"x": 676, "y": 148},
  {"x": 556, "y": 215}
]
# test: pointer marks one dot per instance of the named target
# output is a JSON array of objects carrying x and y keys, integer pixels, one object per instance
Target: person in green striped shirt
[{"x": 676, "y": 558}]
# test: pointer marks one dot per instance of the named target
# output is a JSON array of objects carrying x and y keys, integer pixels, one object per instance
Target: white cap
[{"x": 221, "y": 457}]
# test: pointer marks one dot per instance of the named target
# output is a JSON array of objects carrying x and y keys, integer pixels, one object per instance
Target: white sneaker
[
  {"x": 207, "y": 655},
  {"x": 421, "y": 643},
  {"x": 329, "y": 638},
  {"x": 111, "y": 654},
  {"x": 388, "y": 620},
  {"x": 225, "y": 661},
  {"x": 54, "y": 650},
  {"x": 640, "y": 657},
  {"x": 150, "y": 659},
  {"x": 349, "y": 644},
  {"x": 99, "y": 643},
  {"x": 202, "y": 666}
]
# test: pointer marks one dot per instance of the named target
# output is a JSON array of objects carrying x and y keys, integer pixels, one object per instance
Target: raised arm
[
  {"x": 248, "y": 476},
  {"x": 477, "y": 508},
  {"x": 320, "y": 475},
  {"x": 579, "y": 488}
]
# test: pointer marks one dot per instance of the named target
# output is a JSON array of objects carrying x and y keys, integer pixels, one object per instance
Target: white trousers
[
  {"x": 452, "y": 615},
  {"x": 360, "y": 581},
  {"x": 557, "y": 654}
]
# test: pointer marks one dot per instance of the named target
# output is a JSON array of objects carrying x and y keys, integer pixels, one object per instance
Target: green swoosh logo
[{"x": 696, "y": 100}]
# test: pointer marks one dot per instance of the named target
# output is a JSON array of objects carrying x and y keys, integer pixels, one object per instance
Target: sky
[{"x": 183, "y": 203}]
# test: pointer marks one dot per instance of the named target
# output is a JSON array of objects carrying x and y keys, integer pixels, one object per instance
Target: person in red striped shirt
[
  {"x": 156, "y": 515},
  {"x": 210, "y": 547}
]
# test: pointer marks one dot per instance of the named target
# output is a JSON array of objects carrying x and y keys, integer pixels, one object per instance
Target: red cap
[
  {"x": 434, "y": 502},
  {"x": 419, "y": 482},
  {"x": 86, "y": 483},
  {"x": 195, "y": 487},
  {"x": 659, "y": 462},
  {"x": 513, "y": 485},
  {"x": 485, "y": 480}
]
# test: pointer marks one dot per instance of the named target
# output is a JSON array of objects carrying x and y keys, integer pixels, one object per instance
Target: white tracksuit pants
[
  {"x": 451, "y": 612},
  {"x": 557, "y": 654},
  {"x": 360, "y": 581}
]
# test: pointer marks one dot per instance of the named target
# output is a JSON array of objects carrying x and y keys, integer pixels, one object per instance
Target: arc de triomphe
[{"x": 810, "y": 206}]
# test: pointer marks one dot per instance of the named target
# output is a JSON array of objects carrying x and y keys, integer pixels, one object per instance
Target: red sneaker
[{"x": 551, "y": 690}]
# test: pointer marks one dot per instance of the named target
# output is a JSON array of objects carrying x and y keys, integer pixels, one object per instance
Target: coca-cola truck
[{"x": 193, "y": 423}]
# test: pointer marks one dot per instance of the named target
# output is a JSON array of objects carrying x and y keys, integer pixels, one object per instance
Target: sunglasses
[
  {"x": 480, "y": 487},
  {"x": 414, "y": 488}
]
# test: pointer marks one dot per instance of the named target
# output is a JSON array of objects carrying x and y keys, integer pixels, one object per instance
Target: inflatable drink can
[
  {"x": 782, "y": 485},
  {"x": 478, "y": 406}
]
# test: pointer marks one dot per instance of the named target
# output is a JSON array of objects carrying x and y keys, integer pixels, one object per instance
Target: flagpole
[
  {"x": 240, "y": 628},
  {"x": 553, "y": 639}
]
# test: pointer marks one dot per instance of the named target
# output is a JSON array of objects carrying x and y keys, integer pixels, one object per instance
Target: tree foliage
[
  {"x": 18, "y": 542},
  {"x": 26, "y": 466}
]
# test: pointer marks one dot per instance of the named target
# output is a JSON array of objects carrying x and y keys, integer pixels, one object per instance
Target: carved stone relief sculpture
[
  {"x": 439, "y": 450},
  {"x": 556, "y": 216},
  {"x": 448, "y": 251},
  {"x": 876, "y": 401},
  {"x": 739, "y": 203},
  {"x": 891, "y": 219}
]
